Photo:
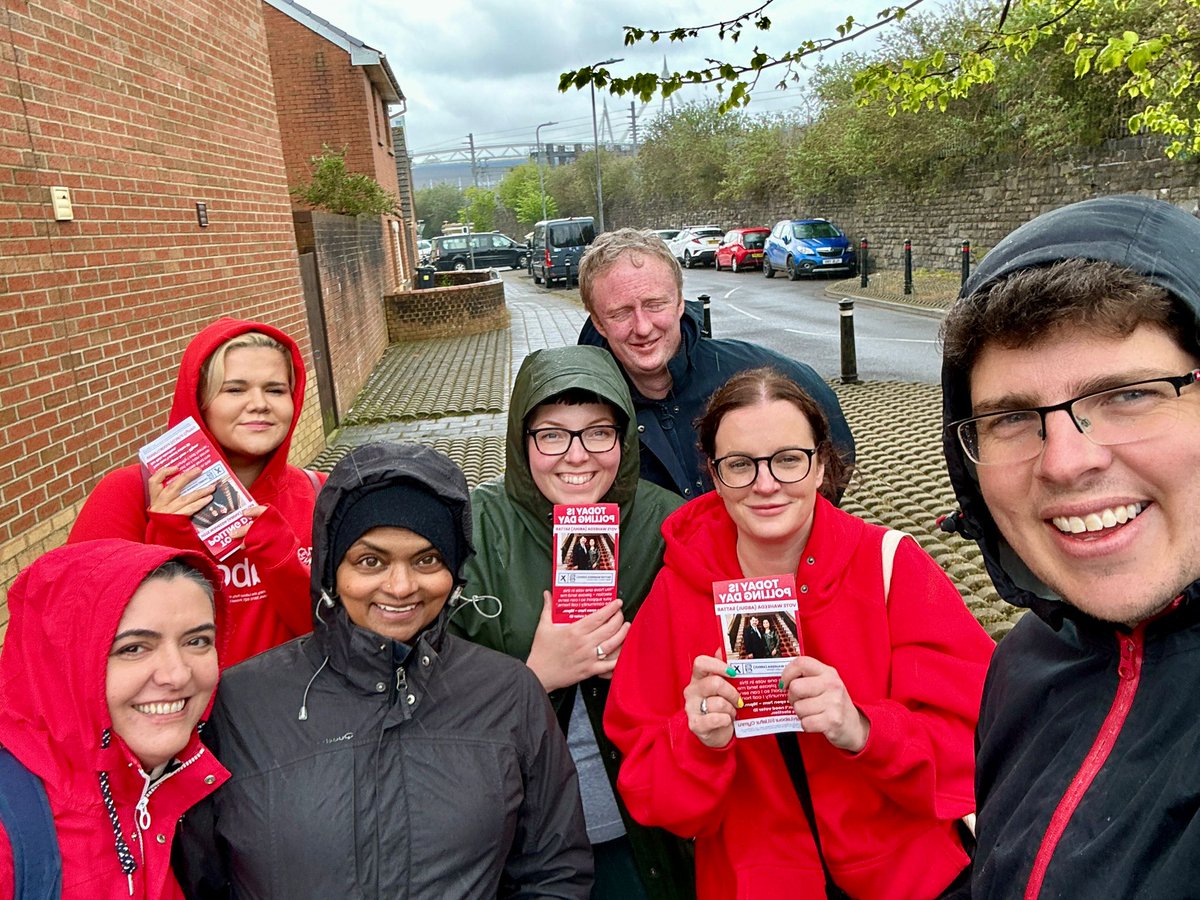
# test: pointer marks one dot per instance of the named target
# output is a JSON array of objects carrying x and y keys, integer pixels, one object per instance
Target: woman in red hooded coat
[
  {"x": 243, "y": 383},
  {"x": 109, "y": 663}
]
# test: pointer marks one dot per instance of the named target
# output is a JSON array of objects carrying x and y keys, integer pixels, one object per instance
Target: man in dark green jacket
[{"x": 572, "y": 440}]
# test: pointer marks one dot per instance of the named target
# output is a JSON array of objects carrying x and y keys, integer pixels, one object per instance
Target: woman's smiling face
[{"x": 577, "y": 476}]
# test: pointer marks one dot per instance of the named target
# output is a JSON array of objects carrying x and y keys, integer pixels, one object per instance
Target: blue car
[{"x": 804, "y": 246}]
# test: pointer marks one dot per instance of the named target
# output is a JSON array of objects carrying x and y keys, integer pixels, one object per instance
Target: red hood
[
  {"x": 64, "y": 610},
  {"x": 187, "y": 403}
]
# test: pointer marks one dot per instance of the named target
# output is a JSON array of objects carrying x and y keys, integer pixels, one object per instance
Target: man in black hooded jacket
[{"x": 1073, "y": 444}]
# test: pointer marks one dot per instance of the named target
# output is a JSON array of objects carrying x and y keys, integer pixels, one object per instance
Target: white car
[{"x": 697, "y": 246}]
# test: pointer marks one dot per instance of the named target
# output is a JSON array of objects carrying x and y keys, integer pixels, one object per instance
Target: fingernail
[
  {"x": 740, "y": 703},
  {"x": 730, "y": 671}
]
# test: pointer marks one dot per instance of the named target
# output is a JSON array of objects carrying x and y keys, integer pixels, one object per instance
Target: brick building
[
  {"x": 142, "y": 112},
  {"x": 333, "y": 90}
]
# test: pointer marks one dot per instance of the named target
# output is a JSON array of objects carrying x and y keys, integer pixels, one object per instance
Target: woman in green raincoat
[{"x": 572, "y": 439}]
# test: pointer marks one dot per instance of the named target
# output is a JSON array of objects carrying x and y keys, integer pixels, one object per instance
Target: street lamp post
[
  {"x": 537, "y": 136},
  {"x": 596, "y": 138}
]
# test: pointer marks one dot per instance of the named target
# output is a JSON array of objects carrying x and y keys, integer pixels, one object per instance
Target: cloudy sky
[{"x": 491, "y": 68}]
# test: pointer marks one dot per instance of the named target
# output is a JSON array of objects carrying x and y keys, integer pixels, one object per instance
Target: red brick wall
[
  {"x": 141, "y": 109},
  {"x": 350, "y": 265},
  {"x": 325, "y": 100}
]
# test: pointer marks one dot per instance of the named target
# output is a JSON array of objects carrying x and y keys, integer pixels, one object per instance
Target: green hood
[{"x": 545, "y": 373}]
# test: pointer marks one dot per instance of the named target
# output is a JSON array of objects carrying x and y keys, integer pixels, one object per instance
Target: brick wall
[
  {"x": 350, "y": 265},
  {"x": 141, "y": 109},
  {"x": 468, "y": 303},
  {"x": 324, "y": 100},
  {"x": 982, "y": 206}
]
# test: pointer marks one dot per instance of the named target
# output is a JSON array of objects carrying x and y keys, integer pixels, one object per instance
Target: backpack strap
[
  {"x": 891, "y": 540},
  {"x": 313, "y": 480},
  {"x": 29, "y": 824}
]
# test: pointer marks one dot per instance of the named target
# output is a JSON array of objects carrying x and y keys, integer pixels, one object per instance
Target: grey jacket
[{"x": 360, "y": 770}]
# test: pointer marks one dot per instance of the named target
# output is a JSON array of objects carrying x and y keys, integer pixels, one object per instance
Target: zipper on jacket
[
  {"x": 141, "y": 817},
  {"x": 1129, "y": 673}
]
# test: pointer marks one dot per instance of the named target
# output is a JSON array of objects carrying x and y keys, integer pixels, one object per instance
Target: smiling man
[
  {"x": 1073, "y": 443},
  {"x": 632, "y": 287}
]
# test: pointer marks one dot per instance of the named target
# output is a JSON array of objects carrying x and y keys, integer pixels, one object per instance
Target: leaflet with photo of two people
[
  {"x": 187, "y": 447},
  {"x": 761, "y": 635},
  {"x": 584, "y": 553}
]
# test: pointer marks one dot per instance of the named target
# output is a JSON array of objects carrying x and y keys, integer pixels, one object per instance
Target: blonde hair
[
  {"x": 624, "y": 243},
  {"x": 212, "y": 373}
]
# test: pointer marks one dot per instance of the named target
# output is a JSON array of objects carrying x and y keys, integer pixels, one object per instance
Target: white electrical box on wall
[{"x": 60, "y": 199}]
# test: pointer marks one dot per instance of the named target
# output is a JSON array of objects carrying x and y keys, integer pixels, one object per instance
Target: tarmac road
[{"x": 796, "y": 318}]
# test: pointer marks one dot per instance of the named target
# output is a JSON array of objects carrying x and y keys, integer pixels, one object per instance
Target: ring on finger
[
  {"x": 600, "y": 654},
  {"x": 704, "y": 706}
]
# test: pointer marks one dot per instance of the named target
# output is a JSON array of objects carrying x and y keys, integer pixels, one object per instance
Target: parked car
[
  {"x": 557, "y": 246},
  {"x": 804, "y": 246},
  {"x": 741, "y": 248},
  {"x": 483, "y": 250},
  {"x": 424, "y": 248},
  {"x": 667, "y": 234},
  {"x": 696, "y": 245}
]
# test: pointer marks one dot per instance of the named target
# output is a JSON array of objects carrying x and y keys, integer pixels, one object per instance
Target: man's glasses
[
  {"x": 786, "y": 466},
  {"x": 1120, "y": 415},
  {"x": 557, "y": 441}
]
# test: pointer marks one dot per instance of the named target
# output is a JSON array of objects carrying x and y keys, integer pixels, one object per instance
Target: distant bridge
[{"x": 556, "y": 153}]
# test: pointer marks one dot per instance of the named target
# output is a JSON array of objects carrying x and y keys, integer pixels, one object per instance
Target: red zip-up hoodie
[
  {"x": 54, "y": 719},
  {"x": 266, "y": 581}
]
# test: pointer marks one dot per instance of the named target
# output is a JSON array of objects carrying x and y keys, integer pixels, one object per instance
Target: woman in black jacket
[{"x": 382, "y": 757}]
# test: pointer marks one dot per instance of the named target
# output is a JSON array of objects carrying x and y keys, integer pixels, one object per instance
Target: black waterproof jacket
[
  {"x": 1074, "y": 709},
  {"x": 671, "y": 457},
  {"x": 444, "y": 776}
]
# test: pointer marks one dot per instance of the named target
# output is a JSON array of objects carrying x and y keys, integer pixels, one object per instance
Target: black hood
[
  {"x": 1154, "y": 239},
  {"x": 368, "y": 468}
]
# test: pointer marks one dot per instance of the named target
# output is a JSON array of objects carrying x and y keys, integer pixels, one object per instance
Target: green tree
[
  {"x": 686, "y": 154},
  {"x": 521, "y": 192},
  {"x": 335, "y": 190},
  {"x": 436, "y": 205},
  {"x": 479, "y": 209},
  {"x": 574, "y": 185},
  {"x": 1144, "y": 56}
]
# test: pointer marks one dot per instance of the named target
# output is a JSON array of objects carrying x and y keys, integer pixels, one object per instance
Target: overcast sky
[{"x": 491, "y": 68}]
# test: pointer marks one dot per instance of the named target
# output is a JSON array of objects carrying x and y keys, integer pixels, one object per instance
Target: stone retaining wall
[
  {"x": 981, "y": 206},
  {"x": 461, "y": 303}
]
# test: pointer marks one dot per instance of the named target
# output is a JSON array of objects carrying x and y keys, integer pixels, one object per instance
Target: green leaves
[{"x": 335, "y": 190}]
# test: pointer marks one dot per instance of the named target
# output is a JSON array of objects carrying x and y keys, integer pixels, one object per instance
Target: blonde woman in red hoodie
[
  {"x": 243, "y": 382},
  {"x": 109, "y": 663}
]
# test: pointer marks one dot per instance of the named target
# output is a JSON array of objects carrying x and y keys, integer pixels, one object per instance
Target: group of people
[{"x": 398, "y": 715}]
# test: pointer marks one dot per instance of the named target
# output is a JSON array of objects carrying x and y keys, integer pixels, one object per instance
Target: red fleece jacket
[
  {"x": 913, "y": 663},
  {"x": 266, "y": 581}
]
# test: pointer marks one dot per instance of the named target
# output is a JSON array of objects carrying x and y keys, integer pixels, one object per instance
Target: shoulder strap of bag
[
  {"x": 29, "y": 824},
  {"x": 313, "y": 480},
  {"x": 794, "y": 760},
  {"x": 891, "y": 540}
]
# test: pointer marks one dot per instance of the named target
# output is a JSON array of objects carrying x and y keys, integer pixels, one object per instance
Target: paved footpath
[{"x": 452, "y": 393}]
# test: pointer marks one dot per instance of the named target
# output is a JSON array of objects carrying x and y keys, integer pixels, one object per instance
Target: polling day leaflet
[
  {"x": 584, "y": 553},
  {"x": 187, "y": 447},
  {"x": 761, "y": 635}
]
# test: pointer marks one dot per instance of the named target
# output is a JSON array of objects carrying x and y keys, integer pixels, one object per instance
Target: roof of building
[{"x": 372, "y": 60}]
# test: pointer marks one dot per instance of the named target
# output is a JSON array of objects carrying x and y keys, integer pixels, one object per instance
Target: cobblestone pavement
[{"x": 452, "y": 393}]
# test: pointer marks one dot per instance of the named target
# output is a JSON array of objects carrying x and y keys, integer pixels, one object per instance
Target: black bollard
[
  {"x": 862, "y": 263},
  {"x": 849, "y": 356},
  {"x": 966, "y": 261},
  {"x": 908, "y": 267},
  {"x": 567, "y": 279},
  {"x": 706, "y": 329}
]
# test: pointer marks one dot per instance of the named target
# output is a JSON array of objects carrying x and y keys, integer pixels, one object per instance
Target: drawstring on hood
[{"x": 1154, "y": 239}]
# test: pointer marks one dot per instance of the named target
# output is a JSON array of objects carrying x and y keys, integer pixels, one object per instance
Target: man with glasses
[
  {"x": 1073, "y": 443},
  {"x": 632, "y": 288}
]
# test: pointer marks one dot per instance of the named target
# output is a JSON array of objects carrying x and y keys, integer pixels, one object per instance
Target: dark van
[
  {"x": 484, "y": 250},
  {"x": 556, "y": 247}
]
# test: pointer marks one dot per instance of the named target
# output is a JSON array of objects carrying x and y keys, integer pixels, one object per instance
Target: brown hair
[
  {"x": 1027, "y": 306},
  {"x": 764, "y": 385},
  {"x": 609, "y": 248},
  {"x": 212, "y": 373}
]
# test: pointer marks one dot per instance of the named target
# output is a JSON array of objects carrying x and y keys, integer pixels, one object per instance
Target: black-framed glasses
[
  {"x": 557, "y": 441},
  {"x": 1132, "y": 412},
  {"x": 787, "y": 466}
]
